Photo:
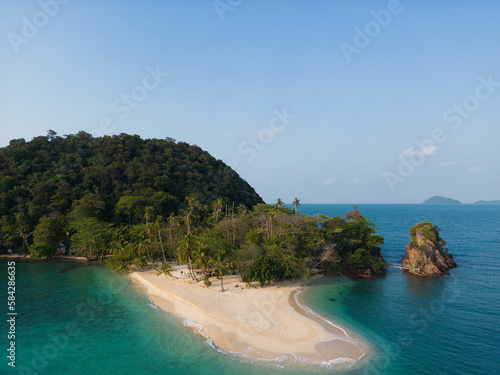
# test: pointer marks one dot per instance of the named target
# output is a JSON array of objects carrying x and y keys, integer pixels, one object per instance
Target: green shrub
[
  {"x": 42, "y": 251},
  {"x": 429, "y": 232},
  {"x": 264, "y": 269},
  {"x": 206, "y": 281}
]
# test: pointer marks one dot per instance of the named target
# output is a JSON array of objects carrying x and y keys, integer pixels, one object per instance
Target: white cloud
[
  {"x": 327, "y": 182},
  {"x": 356, "y": 180},
  {"x": 445, "y": 163},
  {"x": 474, "y": 169},
  {"x": 408, "y": 152},
  {"x": 429, "y": 150}
]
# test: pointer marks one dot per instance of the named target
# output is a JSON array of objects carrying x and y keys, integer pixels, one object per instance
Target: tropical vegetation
[{"x": 143, "y": 203}]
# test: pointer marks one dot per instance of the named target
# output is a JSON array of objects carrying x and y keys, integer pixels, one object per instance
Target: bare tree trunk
[
  {"x": 191, "y": 271},
  {"x": 234, "y": 234},
  {"x": 161, "y": 245},
  {"x": 150, "y": 257},
  {"x": 227, "y": 228}
]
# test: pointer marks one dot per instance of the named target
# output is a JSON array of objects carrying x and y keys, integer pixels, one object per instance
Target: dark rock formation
[
  {"x": 362, "y": 273},
  {"x": 425, "y": 253}
]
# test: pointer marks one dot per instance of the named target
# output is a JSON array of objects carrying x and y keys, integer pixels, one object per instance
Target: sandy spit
[{"x": 265, "y": 323}]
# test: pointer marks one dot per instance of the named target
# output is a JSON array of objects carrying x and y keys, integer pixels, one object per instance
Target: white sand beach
[{"x": 256, "y": 322}]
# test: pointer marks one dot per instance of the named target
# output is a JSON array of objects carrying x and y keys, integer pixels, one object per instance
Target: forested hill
[{"x": 111, "y": 178}]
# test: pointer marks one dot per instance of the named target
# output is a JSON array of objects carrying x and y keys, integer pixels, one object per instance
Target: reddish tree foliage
[{"x": 353, "y": 214}]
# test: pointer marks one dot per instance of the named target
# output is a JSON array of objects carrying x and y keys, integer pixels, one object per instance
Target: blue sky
[{"x": 327, "y": 101}]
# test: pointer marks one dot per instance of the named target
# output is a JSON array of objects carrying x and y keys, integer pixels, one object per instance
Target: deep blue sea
[{"x": 78, "y": 318}]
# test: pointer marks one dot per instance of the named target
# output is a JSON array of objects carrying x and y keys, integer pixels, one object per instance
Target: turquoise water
[
  {"x": 78, "y": 318},
  {"x": 448, "y": 325}
]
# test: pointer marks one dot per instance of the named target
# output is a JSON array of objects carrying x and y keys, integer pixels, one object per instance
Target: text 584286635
[{"x": 11, "y": 314}]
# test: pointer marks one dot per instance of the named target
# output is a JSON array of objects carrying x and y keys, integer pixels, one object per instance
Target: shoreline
[
  {"x": 267, "y": 324},
  {"x": 55, "y": 257}
]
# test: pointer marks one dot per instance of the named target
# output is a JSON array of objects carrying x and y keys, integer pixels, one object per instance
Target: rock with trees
[{"x": 425, "y": 254}]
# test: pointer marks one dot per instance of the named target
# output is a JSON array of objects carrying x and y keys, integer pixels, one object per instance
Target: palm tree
[
  {"x": 220, "y": 265},
  {"x": 217, "y": 205},
  {"x": 241, "y": 209},
  {"x": 206, "y": 211},
  {"x": 143, "y": 248},
  {"x": 184, "y": 251},
  {"x": 118, "y": 241},
  {"x": 279, "y": 203},
  {"x": 148, "y": 213},
  {"x": 159, "y": 223},
  {"x": 147, "y": 217},
  {"x": 272, "y": 218},
  {"x": 200, "y": 256},
  {"x": 140, "y": 261},
  {"x": 172, "y": 221},
  {"x": 140, "y": 250},
  {"x": 296, "y": 203},
  {"x": 192, "y": 205},
  {"x": 166, "y": 269},
  {"x": 24, "y": 234}
]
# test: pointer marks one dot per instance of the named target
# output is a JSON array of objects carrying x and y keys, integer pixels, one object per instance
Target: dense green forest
[
  {"x": 111, "y": 179},
  {"x": 263, "y": 244},
  {"x": 149, "y": 202}
]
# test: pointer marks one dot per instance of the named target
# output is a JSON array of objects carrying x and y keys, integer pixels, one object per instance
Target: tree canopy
[
  {"x": 111, "y": 179},
  {"x": 148, "y": 202}
]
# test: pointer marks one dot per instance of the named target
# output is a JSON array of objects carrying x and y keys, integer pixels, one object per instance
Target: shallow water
[
  {"x": 424, "y": 325},
  {"x": 78, "y": 318}
]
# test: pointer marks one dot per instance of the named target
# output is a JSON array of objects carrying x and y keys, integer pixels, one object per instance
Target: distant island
[
  {"x": 437, "y": 199},
  {"x": 441, "y": 200}
]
